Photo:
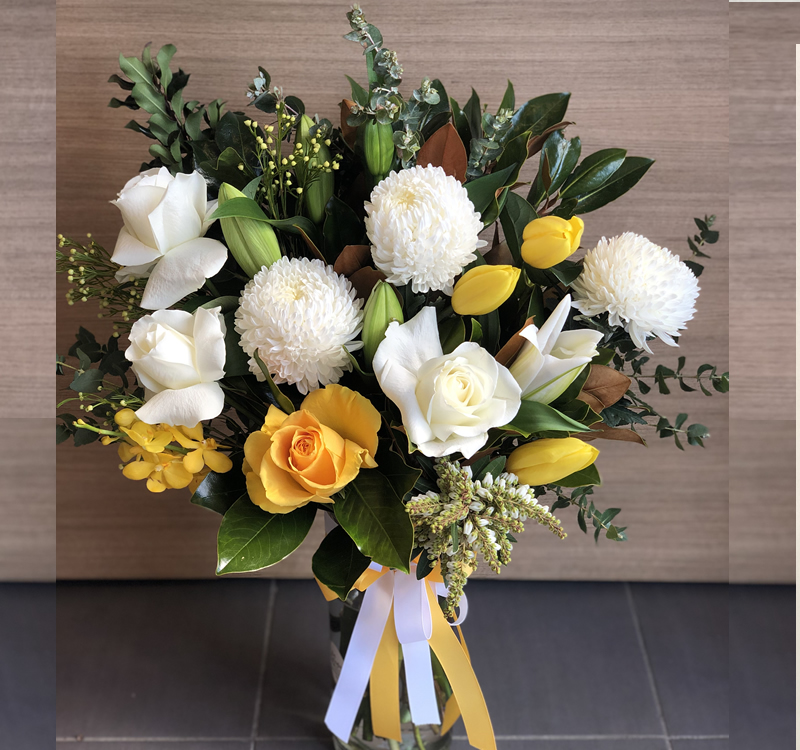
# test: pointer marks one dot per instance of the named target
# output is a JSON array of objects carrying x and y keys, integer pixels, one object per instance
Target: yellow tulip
[
  {"x": 551, "y": 459},
  {"x": 549, "y": 240},
  {"x": 483, "y": 289}
]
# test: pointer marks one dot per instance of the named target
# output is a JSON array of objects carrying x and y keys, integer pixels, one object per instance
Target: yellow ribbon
[{"x": 467, "y": 697}]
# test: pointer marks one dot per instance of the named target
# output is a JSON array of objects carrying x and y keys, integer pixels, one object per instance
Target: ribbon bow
[{"x": 399, "y": 610}]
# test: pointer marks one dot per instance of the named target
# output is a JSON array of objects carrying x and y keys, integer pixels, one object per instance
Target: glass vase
[{"x": 343, "y": 616}]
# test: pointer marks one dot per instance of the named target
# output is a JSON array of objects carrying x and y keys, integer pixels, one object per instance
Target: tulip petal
[
  {"x": 178, "y": 217},
  {"x": 347, "y": 413},
  {"x": 185, "y": 406},
  {"x": 183, "y": 270},
  {"x": 129, "y": 251}
]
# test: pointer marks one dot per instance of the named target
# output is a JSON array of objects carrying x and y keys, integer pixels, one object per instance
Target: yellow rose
[
  {"x": 549, "y": 240},
  {"x": 312, "y": 453},
  {"x": 548, "y": 460},
  {"x": 483, "y": 289}
]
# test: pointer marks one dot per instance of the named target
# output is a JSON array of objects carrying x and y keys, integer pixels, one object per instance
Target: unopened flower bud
[
  {"x": 548, "y": 241},
  {"x": 378, "y": 148},
  {"x": 252, "y": 243},
  {"x": 381, "y": 309},
  {"x": 483, "y": 289}
]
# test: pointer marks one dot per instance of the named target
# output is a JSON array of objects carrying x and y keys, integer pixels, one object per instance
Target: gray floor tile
[
  {"x": 159, "y": 659},
  {"x": 27, "y": 665},
  {"x": 559, "y": 659},
  {"x": 700, "y": 744},
  {"x": 762, "y": 667},
  {"x": 319, "y": 744},
  {"x": 192, "y": 743},
  {"x": 685, "y": 630},
  {"x": 297, "y": 679},
  {"x": 590, "y": 743}
]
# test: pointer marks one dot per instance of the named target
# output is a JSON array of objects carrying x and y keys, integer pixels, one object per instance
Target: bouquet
[{"x": 366, "y": 320}]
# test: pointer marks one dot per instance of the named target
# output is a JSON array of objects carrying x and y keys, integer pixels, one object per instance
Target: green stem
[{"x": 418, "y": 738}]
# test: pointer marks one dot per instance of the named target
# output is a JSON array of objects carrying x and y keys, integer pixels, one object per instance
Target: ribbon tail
[
  {"x": 384, "y": 686},
  {"x": 451, "y": 709},
  {"x": 466, "y": 689},
  {"x": 419, "y": 681},
  {"x": 364, "y": 642}
]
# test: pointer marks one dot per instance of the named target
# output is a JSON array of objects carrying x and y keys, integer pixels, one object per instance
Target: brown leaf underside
[{"x": 445, "y": 149}]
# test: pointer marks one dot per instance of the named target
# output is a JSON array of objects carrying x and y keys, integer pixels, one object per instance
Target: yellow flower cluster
[{"x": 148, "y": 453}]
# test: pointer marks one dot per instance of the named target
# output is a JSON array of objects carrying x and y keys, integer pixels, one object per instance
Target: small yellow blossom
[{"x": 203, "y": 452}]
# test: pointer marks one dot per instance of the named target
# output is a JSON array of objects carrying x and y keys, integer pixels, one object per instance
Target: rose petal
[{"x": 183, "y": 270}]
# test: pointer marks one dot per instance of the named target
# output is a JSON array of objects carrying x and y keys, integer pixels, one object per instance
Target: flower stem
[{"x": 418, "y": 738}]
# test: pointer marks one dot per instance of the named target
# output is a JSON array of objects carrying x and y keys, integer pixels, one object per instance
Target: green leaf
[
  {"x": 236, "y": 361},
  {"x": 461, "y": 124},
  {"x": 62, "y": 433},
  {"x": 397, "y": 471},
  {"x": 517, "y": 213},
  {"x": 533, "y": 418},
  {"x": 372, "y": 513},
  {"x": 452, "y": 333},
  {"x": 337, "y": 563},
  {"x": 508, "y": 97},
  {"x": 84, "y": 437},
  {"x": 582, "y": 478},
  {"x": 696, "y": 434},
  {"x": 514, "y": 154},
  {"x": 566, "y": 271},
  {"x": 560, "y": 156},
  {"x": 87, "y": 382},
  {"x": 251, "y": 539},
  {"x": 194, "y": 123},
  {"x": 148, "y": 99},
  {"x": 472, "y": 113},
  {"x": 482, "y": 191},
  {"x": 135, "y": 69},
  {"x": 539, "y": 114},
  {"x": 495, "y": 467},
  {"x": 359, "y": 94},
  {"x": 623, "y": 179},
  {"x": 593, "y": 172},
  {"x": 342, "y": 227},
  {"x": 280, "y": 398},
  {"x": 218, "y": 492}
]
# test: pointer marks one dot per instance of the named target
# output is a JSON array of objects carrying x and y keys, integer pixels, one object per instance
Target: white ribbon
[{"x": 413, "y": 623}]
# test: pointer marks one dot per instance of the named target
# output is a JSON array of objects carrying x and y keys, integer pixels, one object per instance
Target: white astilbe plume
[
  {"x": 423, "y": 228},
  {"x": 643, "y": 288},
  {"x": 302, "y": 318}
]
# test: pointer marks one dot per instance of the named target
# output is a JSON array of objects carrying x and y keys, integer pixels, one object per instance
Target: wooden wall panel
[
  {"x": 27, "y": 290},
  {"x": 646, "y": 75},
  {"x": 763, "y": 293}
]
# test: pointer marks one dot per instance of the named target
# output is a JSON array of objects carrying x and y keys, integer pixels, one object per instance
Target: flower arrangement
[{"x": 316, "y": 324}]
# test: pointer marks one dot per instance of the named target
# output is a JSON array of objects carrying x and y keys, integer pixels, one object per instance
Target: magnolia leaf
[
  {"x": 445, "y": 149},
  {"x": 512, "y": 346},
  {"x": 337, "y": 563},
  {"x": 364, "y": 280},
  {"x": 602, "y": 431},
  {"x": 351, "y": 259},
  {"x": 604, "y": 387}
]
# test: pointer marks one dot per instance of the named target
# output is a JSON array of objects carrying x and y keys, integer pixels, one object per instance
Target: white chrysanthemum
[
  {"x": 643, "y": 288},
  {"x": 302, "y": 318},
  {"x": 423, "y": 228}
]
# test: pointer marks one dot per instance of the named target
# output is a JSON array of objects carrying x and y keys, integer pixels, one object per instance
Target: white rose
[
  {"x": 178, "y": 357},
  {"x": 165, "y": 220},
  {"x": 550, "y": 358},
  {"x": 448, "y": 401}
]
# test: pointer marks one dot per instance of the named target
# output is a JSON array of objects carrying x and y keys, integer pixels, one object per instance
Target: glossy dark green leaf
[
  {"x": 341, "y": 228},
  {"x": 582, "y": 478},
  {"x": 539, "y": 114},
  {"x": 561, "y": 157},
  {"x": 402, "y": 476},
  {"x": 495, "y": 467},
  {"x": 372, "y": 513},
  {"x": 461, "y": 124},
  {"x": 514, "y": 154},
  {"x": 517, "y": 213},
  {"x": 452, "y": 333},
  {"x": 482, "y": 191},
  {"x": 251, "y": 539},
  {"x": 632, "y": 170},
  {"x": 472, "y": 112},
  {"x": 236, "y": 361},
  {"x": 337, "y": 563},
  {"x": 359, "y": 94},
  {"x": 281, "y": 399},
  {"x": 508, "y": 97},
  {"x": 218, "y": 492},
  {"x": 593, "y": 172},
  {"x": 533, "y": 418},
  {"x": 231, "y": 132},
  {"x": 566, "y": 271}
]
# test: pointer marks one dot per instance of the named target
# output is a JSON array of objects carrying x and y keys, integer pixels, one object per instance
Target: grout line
[
  {"x": 273, "y": 593},
  {"x": 648, "y": 667}
]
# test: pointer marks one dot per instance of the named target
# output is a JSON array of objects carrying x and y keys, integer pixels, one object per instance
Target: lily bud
[
  {"x": 378, "y": 148},
  {"x": 252, "y": 243},
  {"x": 549, "y": 460},
  {"x": 381, "y": 309},
  {"x": 483, "y": 289},
  {"x": 320, "y": 189},
  {"x": 549, "y": 240}
]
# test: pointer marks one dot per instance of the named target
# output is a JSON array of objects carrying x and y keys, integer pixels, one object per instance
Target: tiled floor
[{"x": 236, "y": 664}]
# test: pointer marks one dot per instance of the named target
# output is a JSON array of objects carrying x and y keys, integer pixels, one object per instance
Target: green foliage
[
  {"x": 251, "y": 539},
  {"x": 218, "y": 492},
  {"x": 600, "y": 520},
  {"x": 337, "y": 562},
  {"x": 534, "y": 418},
  {"x": 706, "y": 236}
]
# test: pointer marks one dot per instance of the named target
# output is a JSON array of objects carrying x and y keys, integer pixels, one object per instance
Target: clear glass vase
[{"x": 343, "y": 617}]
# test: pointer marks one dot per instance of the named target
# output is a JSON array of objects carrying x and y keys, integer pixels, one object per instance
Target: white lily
[
  {"x": 162, "y": 240},
  {"x": 550, "y": 358}
]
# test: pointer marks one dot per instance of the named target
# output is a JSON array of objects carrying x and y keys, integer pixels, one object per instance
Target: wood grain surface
[
  {"x": 27, "y": 290},
  {"x": 646, "y": 75},
  {"x": 762, "y": 291}
]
